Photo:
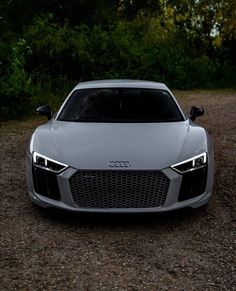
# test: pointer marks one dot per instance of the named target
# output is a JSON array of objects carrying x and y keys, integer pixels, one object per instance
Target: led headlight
[
  {"x": 192, "y": 164},
  {"x": 47, "y": 163}
]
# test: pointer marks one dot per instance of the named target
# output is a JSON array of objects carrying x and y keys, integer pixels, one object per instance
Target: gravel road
[{"x": 184, "y": 250}]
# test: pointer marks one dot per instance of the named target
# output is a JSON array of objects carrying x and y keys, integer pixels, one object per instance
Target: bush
[
  {"x": 52, "y": 57},
  {"x": 16, "y": 89},
  {"x": 142, "y": 48}
]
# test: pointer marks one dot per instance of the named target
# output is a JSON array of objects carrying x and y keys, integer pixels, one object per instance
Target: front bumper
[{"x": 171, "y": 203}]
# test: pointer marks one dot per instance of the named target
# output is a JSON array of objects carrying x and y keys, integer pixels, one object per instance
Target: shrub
[{"x": 16, "y": 88}]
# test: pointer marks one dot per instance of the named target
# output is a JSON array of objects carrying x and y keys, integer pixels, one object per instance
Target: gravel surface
[{"x": 183, "y": 250}]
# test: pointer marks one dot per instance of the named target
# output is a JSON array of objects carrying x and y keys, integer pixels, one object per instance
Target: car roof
[{"x": 121, "y": 83}]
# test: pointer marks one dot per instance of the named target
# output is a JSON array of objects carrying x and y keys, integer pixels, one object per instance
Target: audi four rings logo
[{"x": 119, "y": 164}]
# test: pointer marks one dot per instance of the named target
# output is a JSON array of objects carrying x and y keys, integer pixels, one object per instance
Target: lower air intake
[
  {"x": 193, "y": 184},
  {"x": 119, "y": 189},
  {"x": 45, "y": 183}
]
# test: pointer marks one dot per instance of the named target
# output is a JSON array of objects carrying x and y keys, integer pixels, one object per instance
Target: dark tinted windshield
[{"x": 121, "y": 105}]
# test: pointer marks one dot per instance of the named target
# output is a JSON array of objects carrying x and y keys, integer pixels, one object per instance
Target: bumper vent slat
[{"x": 119, "y": 189}]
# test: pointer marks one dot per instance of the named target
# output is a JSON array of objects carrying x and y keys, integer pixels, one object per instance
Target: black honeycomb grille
[{"x": 119, "y": 189}]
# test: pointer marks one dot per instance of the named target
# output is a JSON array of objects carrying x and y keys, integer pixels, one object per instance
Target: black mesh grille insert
[
  {"x": 119, "y": 189},
  {"x": 193, "y": 184},
  {"x": 45, "y": 183}
]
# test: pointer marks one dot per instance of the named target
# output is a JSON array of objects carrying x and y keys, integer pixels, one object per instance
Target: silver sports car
[{"x": 120, "y": 146}]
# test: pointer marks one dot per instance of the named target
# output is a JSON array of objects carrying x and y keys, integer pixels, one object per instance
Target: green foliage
[
  {"x": 16, "y": 88},
  {"x": 186, "y": 44},
  {"x": 142, "y": 48}
]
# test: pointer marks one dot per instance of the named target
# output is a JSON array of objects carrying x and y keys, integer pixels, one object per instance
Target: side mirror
[
  {"x": 195, "y": 112},
  {"x": 45, "y": 111}
]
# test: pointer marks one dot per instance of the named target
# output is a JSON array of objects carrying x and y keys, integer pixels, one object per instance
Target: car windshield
[{"x": 120, "y": 105}]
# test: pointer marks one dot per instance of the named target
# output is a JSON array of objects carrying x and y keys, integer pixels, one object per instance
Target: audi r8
[{"x": 120, "y": 146}]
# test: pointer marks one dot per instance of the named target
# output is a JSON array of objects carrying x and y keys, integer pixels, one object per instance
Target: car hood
[{"x": 86, "y": 145}]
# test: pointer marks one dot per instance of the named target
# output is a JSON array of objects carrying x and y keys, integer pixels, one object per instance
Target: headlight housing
[
  {"x": 192, "y": 164},
  {"x": 47, "y": 163}
]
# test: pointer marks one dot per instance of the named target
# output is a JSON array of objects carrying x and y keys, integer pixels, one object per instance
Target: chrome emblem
[{"x": 119, "y": 164}]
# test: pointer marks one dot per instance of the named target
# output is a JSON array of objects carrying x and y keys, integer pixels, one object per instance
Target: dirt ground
[{"x": 184, "y": 250}]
